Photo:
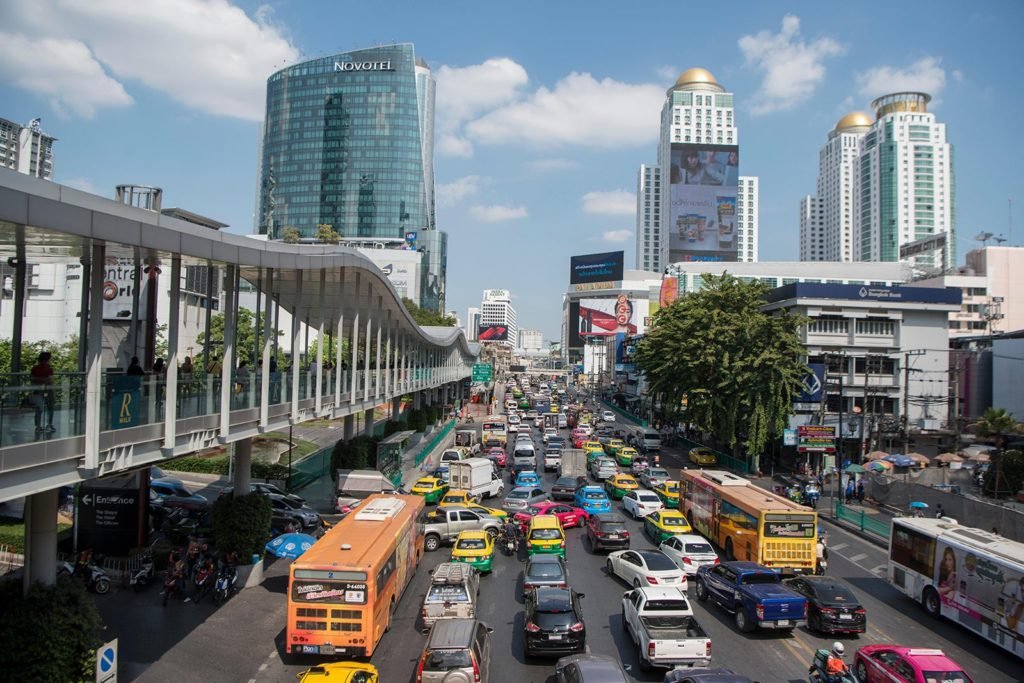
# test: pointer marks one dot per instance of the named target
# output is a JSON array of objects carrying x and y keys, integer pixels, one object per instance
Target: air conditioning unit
[{"x": 928, "y": 423}]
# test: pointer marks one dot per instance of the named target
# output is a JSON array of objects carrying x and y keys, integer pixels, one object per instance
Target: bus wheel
[
  {"x": 930, "y": 600},
  {"x": 391, "y": 613},
  {"x": 728, "y": 550}
]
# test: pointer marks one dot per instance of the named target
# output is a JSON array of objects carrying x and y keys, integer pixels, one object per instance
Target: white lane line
[
  {"x": 263, "y": 667},
  {"x": 273, "y": 653},
  {"x": 880, "y": 569},
  {"x": 858, "y": 557},
  {"x": 839, "y": 546}
]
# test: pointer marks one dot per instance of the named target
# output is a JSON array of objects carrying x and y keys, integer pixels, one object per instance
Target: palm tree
[{"x": 997, "y": 423}]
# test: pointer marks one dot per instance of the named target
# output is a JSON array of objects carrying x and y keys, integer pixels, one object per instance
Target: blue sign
[
  {"x": 125, "y": 402},
  {"x": 812, "y": 385},
  {"x": 788, "y": 437},
  {"x": 106, "y": 662},
  {"x": 886, "y": 293}
]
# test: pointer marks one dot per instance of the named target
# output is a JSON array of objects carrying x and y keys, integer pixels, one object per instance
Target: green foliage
[
  {"x": 242, "y": 524},
  {"x": 1010, "y": 466},
  {"x": 245, "y": 338},
  {"x": 290, "y": 235},
  {"x": 51, "y": 634},
  {"x": 325, "y": 232},
  {"x": 358, "y": 454},
  {"x": 996, "y": 423},
  {"x": 65, "y": 355},
  {"x": 269, "y": 470},
  {"x": 12, "y": 533},
  {"x": 736, "y": 367},
  {"x": 427, "y": 318},
  {"x": 194, "y": 463}
]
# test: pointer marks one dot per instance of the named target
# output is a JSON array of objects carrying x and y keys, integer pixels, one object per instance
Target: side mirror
[
  {"x": 581, "y": 595},
  {"x": 490, "y": 630},
  {"x": 523, "y": 595}
]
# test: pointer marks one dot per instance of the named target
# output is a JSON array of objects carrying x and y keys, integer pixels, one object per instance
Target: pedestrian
[
  {"x": 159, "y": 365},
  {"x": 939, "y": 512},
  {"x": 214, "y": 367},
  {"x": 242, "y": 378},
  {"x": 185, "y": 369},
  {"x": 43, "y": 397},
  {"x": 313, "y": 367},
  {"x": 860, "y": 492},
  {"x": 849, "y": 491},
  {"x": 134, "y": 369}
]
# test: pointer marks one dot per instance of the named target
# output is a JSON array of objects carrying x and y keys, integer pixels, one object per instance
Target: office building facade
[
  {"x": 26, "y": 149},
  {"x": 499, "y": 323},
  {"x": 348, "y": 145}
]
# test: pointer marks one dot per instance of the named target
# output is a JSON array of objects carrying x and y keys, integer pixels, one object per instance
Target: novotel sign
[{"x": 384, "y": 65}]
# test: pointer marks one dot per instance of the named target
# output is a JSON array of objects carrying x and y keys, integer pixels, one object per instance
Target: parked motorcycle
[
  {"x": 224, "y": 587},
  {"x": 172, "y": 585},
  {"x": 141, "y": 577},
  {"x": 96, "y": 580}
]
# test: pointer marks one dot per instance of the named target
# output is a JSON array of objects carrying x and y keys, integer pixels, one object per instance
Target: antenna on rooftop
[
  {"x": 983, "y": 237},
  {"x": 998, "y": 239}
]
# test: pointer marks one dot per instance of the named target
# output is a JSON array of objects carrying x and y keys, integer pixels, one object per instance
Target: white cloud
[
  {"x": 82, "y": 184},
  {"x": 668, "y": 72},
  {"x": 548, "y": 165},
  {"x": 450, "y": 194},
  {"x": 466, "y": 92},
  {"x": 207, "y": 54},
  {"x": 579, "y": 110},
  {"x": 617, "y": 236},
  {"x": 497, "y": 213},
  {"x": 62, "y": 70},
  {"x": 924, "y": 75},
  {"x": 614, "y": 203},
  {"x": 957, "y": 75},
  {"x": 792, "y": 67}
]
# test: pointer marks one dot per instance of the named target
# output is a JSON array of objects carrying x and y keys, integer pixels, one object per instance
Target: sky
[{"x": 545, "y": 110}]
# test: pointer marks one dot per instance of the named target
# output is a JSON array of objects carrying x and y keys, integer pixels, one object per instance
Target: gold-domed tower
[{"x": 697, "y": 79}]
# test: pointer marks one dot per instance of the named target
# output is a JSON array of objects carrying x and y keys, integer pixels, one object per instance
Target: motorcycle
[
  {"x": 141, "y": 577},
  {"x": 821, "y": 567},
  {"x": 224, "y": 587},
  {"x": 203, "y": 581},
  {"x": 818, "y": 671},
  {"x": 172, "y": 585},
  {"x": 96, "y": 580},
  {"x": 509, "y": 543}
]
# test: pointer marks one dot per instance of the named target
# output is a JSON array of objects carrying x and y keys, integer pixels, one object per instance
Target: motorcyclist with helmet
[
  {"x": 510, "y": 532},
  {"x": 834, "y": 665}
]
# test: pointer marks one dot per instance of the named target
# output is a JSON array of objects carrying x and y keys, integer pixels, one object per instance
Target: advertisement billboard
[
  {"x": 703, "y": 184},
  {"x": 606, "y": 317},
  {"x": 575, "y": 340},
  {"x": 119, "y": 285},
  {"x": 492, "y": 333},
  {"x": 606, "y": 267}
]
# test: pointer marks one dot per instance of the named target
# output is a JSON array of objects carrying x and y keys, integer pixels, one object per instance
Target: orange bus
[
  {"x": 342, "y": 592},
  {"x": 748, "y": 522}
]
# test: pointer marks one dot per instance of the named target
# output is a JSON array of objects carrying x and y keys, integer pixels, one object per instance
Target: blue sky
[{"x": 544, "y": 110}]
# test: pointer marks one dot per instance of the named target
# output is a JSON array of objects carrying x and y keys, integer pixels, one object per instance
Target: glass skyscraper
[{"x": 348, "y": 143}]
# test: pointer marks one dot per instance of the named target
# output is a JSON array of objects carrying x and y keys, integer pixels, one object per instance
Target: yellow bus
[
  {"x": 343, "y": 591},
  {"x": 748, "y": 522},
  {"x": 495, "y": 429}
]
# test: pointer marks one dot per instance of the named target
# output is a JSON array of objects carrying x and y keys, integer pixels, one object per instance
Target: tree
[
  {"x": 427, "y": 318},
  {"x": 245, "y": 337},
  {"x": 290, "y": 235},
  {"x": 325, "y": 232},
  {"x": 736, "y": 367},
  {"x": 998, "y": 424},
  {"x": 64, "y": 360}
]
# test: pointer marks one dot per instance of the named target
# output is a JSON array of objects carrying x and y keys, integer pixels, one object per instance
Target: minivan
[
  {"x": 545, "y": 535},
  {"x": 453, "y": 592},
  {"x": 462, "y": 645}
]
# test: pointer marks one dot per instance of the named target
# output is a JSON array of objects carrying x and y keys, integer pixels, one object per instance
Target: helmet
[{"x": 838, "y": 650}]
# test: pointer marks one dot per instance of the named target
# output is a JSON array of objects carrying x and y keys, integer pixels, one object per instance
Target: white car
[
  {"x": 689, "y": 552},
  {"x": 549, "y": 432},
  {"x": 608, "y": 416},
  {"x": 641, "y": 568},
  {"x": 524, "y": 437},
  {"x": 640, "y": 503}
]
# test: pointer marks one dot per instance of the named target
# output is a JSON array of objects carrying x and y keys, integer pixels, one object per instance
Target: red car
[
  {"x": 498, "y": 455},
  {"x": 579, "y": 439},
  {"x": 888, "y": 663},
  {"x": 567, "y": 514}
]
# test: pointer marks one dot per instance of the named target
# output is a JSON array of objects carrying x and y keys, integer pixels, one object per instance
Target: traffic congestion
[{"x": 560, "y": 544}]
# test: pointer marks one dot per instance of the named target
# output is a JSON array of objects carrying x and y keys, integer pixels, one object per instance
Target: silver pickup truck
[
  {"x": 660, "y": 621},
  {"x": 443, "y": 525}
]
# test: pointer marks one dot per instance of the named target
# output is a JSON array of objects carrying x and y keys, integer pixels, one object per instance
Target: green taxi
[
  {"x": 431, "y": 488},
  {"x": 475, "y": 548},
  {"x": 619, "y": 485},
  {"x": 669, "y": 493},
  {"x": 625, "y": 456},
  {"x": 661, "y": 525}
]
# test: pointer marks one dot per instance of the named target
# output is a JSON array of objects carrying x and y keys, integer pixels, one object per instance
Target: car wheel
[
  {"x": 636, "y": 583},
  {"x": 431, "y": 543},
  {"x": 644, "y": 664},
  {"x": 814, "y": 622},
  {"x": 580, "y": 521},
  {"x": 742, "y": 623},
  {"x": 608, "y": 567},
  {"x": 702, "y": 592},
  {"x": 862, "y": 671}
]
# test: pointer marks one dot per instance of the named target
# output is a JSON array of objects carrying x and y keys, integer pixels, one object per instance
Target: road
[{"x": 242, "y": 641}]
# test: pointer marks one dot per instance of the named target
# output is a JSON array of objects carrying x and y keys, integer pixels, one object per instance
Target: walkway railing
[
  {"x": 865, "y": 522},
  {"x": 310, "y": 468},
  {"x": 725, "y": 461},
  {"x": 436, "y": 439}
]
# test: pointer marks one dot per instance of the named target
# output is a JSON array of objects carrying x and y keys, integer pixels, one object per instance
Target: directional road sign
[{"x": 483, "y": 372}]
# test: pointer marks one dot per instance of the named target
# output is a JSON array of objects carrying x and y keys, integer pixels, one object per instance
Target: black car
[
  {"x": 716, "y": 675},
  {"x": 171, "y": 493},
  {"x": 267, "y": 489},
  {"x": 553, "y": 624},
  {"x": 831, "y": 605},
  {"x": 589, "y": 669},
  {"x": 607, "y": 532},
  {"x": 564, "y": 489}
]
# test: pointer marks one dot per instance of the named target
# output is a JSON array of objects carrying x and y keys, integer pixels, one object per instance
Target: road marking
[
  {"x": 273, "y": 653},
  {"x": 857, "y": 558},
  {"x": 840, "y": 546},
  {"x": 880, "y": 569},
  {"x": 263, "y": 666}
]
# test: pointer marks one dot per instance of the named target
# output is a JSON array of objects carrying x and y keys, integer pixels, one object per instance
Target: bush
[
  {"x": 418, "y": 420},
  {"x": 267, "y": 471},
  {"x": 51, "y": 634},
  {"x": 242, "y": 524},
  {"x": 192, "y": 463},
  {"x": 358, "y": 454},
  {"x": 391, "y": 427}
]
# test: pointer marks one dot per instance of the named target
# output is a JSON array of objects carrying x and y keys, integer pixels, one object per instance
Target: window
[
  {"x": 829, "y": 325},
  {"x": 385, "y": 573},
  {"x": 913, "y": 550}
]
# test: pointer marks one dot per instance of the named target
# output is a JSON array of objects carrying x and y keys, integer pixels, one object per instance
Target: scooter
[
  {"x": 509, "y": 543},
  {"x": 818, "y": 673},
  {"x": 96, "y": 580},
  {"x": 172, "y": 585},
  {"x": 224, "y": 587},
  {"x": 141, "y": 577},
  {"x": 203, "y": 581},
  {"x": 821, "y": 567}
]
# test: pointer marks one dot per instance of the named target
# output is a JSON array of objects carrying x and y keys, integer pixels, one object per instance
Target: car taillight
[
  {"x": 532, "y": 628},
  {"x": 419, "y": 668},
  {"x": 527, "y": 586},
  {"x": 625, "y": 534},
  {"x": 577, "y": 627},
  {"x": 859, "y": 611},
  {"x": 562, "y": 544},
  {"x": 716, "y": 560},
  {"x": 651, "y": 580},
  {"x": 650, "y": 651},
  {"x": 707, "y": 650},
  {"x": 476, "y": 670},
  {"x": 759, "y": 610},
  {"x": 687, "y": 560},
  {"x": 827, "y": 610}
]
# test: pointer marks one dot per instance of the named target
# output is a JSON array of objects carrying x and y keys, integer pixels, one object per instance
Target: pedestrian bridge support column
[
  {"x": 243, "y": 466},
  {"x": 40, "y": 539},
  {"x": 350, "y": 427},
  {"x": 368, "y": 423},
  {"x": 396, "y": 407}
]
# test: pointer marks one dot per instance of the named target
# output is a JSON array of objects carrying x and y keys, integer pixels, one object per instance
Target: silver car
[
  {"x": 522, "y": 497},
  {"x": 456, "y": 650},
  {"x": 653, "y": 476},
  {"x": 545, "y": 570}
]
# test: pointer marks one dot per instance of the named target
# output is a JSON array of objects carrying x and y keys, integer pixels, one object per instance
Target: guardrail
[
  {"x": 624, "y": 413},
  {"x": 439, "y": 435},
  {"x": 865, "y": 522},
  {"x": 310, "y": 468},
  {"x": 725, "y": 461}
]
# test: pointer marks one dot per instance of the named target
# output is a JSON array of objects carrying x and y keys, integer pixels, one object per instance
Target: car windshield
[
  {"x": 759, "y": 577},
  {"x": 534, "y": 510},
  {"x": 648, "y": 498},
  {"x": 698, "y": 548},
  {"x": 471, "y": 544},
  {"x": 446, "y": 660},
  {"x": 613, "y": 527},
  {"x": 447, "y": 594},
  {"x": 594, "y": 495},
  {"x": 666, "y": 606},
  {"x": 655, "y": 472},
  {"x": 554, "y": 621},
  {"x": 658, "y": 563},
  {"x": 289, "y": 504},
  {"x": 672, "y": 521},
  {"x": 519, "y": 494},
  {"x": 566, "y": 481},
  {"x": 672, "y": 488},
  {"x": 544, "y": 570},
  {"x": 545, "y": 535}
]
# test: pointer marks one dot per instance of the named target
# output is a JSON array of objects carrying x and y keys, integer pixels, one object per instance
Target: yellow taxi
[
  {"x": 613, "y": 447},
  {"x": 340, "y": 672},
  {"x": 703, "y": 456},
  {"x": 475, "y": 548},
  {"x": 431, "y": 488},
  {"x": 619, "y": 485},
  {"x": 593, "y": 449},
  {"x": 668, "y": 491},
  {"x": 456, "y": 498},
  {"x": 624, "y": 456},
  {"x": 661, "y": 525},
  {"x": 545, "y": 535},
  {"x": 482, "y": 509}
]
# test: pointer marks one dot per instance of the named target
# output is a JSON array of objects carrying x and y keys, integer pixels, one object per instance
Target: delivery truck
[{"x": 477, "y": 476}]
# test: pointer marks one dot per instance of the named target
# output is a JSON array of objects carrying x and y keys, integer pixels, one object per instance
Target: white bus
[{"x": 971, "y": 576}]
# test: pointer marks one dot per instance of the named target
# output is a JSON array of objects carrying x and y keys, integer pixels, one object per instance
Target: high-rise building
[
  {"x": 472, "y": 328},
  {"x": 883, "y": 184},
  {"x": 689, "y": 205},
  {"x": 498, "y": 320},
  {"x": 26, "y": 149},
  {"x": 348, "y": 145},
  {"x": 531, "y": 340}
]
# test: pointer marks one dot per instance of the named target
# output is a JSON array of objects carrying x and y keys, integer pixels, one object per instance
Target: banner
[
  {"x": 606, "y": 317},
  {"x": 816, "y": 439},
  {"x": 493, "y": 333},
  {"x": 604, "y": 267},
  {"x": 703, "y": 185}
]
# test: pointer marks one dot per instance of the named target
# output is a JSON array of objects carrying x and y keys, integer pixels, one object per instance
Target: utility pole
[{"x": 906, "y": 396}]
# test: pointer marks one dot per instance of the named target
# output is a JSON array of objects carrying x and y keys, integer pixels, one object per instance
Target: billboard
[
  {"x": 492, "y": 333},
  {"x": 606, "y": 267},
  {"x": 703, "y": 183},
  {"x": 118, "y": 286},
  {"x": 607, "y": 317}
]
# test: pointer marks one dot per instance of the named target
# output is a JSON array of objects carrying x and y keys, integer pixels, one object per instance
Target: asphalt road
[{"x": 242, "y": 641}]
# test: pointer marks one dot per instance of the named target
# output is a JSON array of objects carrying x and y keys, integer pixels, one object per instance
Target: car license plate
[
  {"x": 555, "y": 636},
  {"x": 846, "y": 616},
  {"x": 782, "y": 622},
  {"x": 311, "y": 649},
  {"x": 613, "y": 537}
]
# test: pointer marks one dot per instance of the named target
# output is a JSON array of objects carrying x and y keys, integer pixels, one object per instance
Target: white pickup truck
[{"x": 660, "y": 621}]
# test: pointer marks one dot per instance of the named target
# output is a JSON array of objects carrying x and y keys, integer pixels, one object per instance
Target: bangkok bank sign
[{"x": 364, "y": 66}]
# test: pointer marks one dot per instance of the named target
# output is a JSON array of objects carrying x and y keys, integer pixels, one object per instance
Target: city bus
[
  {"x": 343, "y": 591},
  {"x": 495, "y": 428},
  {"x": 970, "y": 576},
  {"x": 748, "y": 522}
]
